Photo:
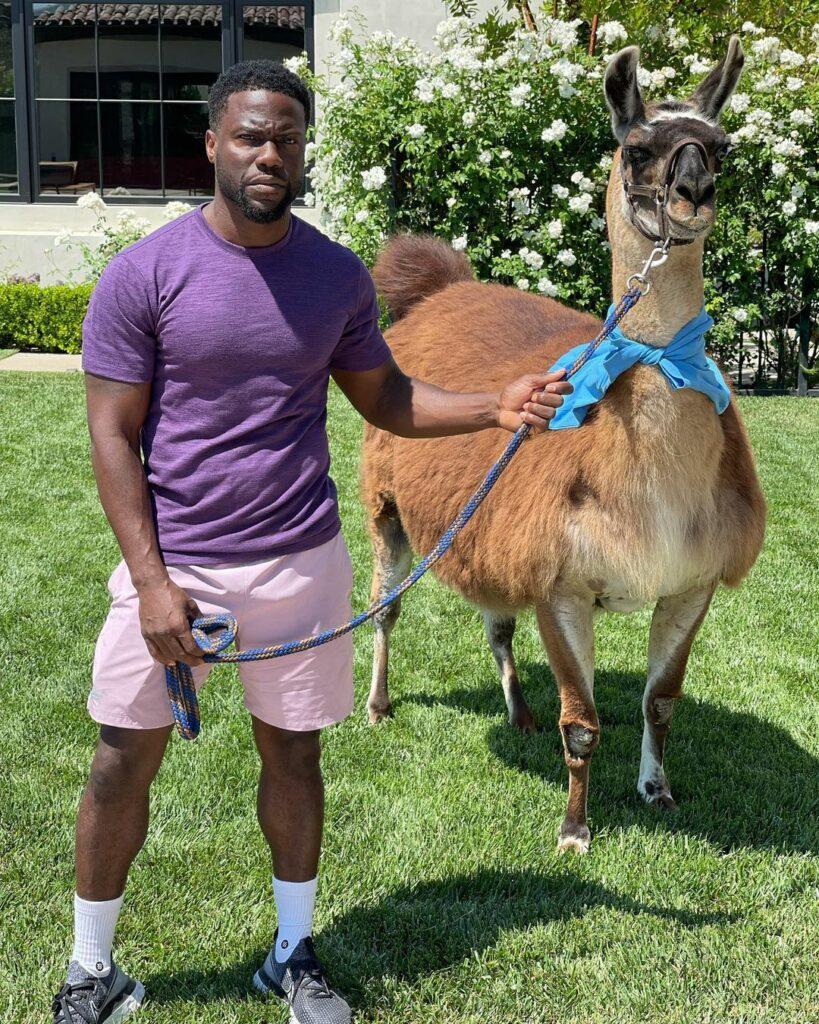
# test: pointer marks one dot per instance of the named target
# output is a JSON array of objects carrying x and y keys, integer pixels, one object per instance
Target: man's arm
[
  {"x": 389, "y": 399},
  {"x": 116, "y": 412}
]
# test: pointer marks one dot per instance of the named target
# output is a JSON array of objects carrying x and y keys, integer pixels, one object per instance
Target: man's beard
[{"x": 237, "y": 193}]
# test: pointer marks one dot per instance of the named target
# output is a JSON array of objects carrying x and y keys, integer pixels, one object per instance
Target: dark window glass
[
  {"x": 8, "y": 150},
  {"x": 6, "y": 67},
  {"x": 129, "y": 51},
  {"x": 188, "y": 172},
  {"x": 273, "y": 32},
  {"x": 67, "y": 146},
  {"x": 191, "y": 51},
  {"x": 130, "y": 148},
  {"x": 64, "y": 63}
]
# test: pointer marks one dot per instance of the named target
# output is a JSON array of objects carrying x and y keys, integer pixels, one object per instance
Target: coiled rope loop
[{"x": 215, "y": 633}]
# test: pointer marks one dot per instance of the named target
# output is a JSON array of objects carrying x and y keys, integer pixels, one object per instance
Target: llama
[{"x": 653, "y": 499}]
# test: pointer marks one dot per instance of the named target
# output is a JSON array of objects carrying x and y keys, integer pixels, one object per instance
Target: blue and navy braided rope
[{"x": 215, "y": 633}]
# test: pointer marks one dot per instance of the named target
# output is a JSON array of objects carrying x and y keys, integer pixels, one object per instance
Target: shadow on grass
[
  {"x": 739, "y": 781},
  {"x": 400, "y": 936}
]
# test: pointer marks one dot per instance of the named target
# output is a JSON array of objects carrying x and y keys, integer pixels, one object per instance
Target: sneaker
[
  {"x": 302, "y": 984},
  {"x": 87, "y": 999}
]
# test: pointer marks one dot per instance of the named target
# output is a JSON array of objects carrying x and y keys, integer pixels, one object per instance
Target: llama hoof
[
  {"x": 657, "y": 794},
  {"x": 574, "y": 838},
  {"x": 378, "y": 714},
  {"x": 523, "y": 720}
]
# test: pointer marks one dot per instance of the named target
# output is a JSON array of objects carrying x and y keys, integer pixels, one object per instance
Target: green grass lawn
[{"x": 442, "y": 897}]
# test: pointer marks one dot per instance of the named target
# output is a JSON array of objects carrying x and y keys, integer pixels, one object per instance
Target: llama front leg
[
  {"x": 499, "y": 632},
  {"x": 566, "y": 627},
  {"x": 674, "y": 625},
  {"x": 391, "y": 563}
]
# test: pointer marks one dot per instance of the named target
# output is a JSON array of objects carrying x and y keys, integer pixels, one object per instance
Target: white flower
[
  {"x": 654, "y": 33},
  {"x": 787, "y": 147},
  {"x": 740, "y": 102},
  {"x": 504, "y": 155},
  {"x": 779, "y": 169},
  {"x": 566, "y": 91},
  {"x": 565, "y": 71},
  {"x": 518, "y": 94},
  {"x": 545, "y": 286},
  {"x": 766, "y": 48},
  {"x": 374, "y": 178},
  {"x": 698, "y": 66},
  {"x": 450, "y": 90},
  {"x": 576, "y": 177},
  {"x": 555, "y": 131},
  {"x": 791, "y": 59},
  {"x": 176, "y": 209},
  {"x": 424, "y": 90},
  {"x": 469, "y": 118},
  {"x": 789, "y": 208},
  {"x": 802, "y": 117},
  {"x": 62, "y": 237},
  {"x": 740, "y": 315},
  {"x": 643, "y": 77},
  {"x": 310, "y": 151},
  {"x": 555, "y": 228},
  {"x": 794, "y": 84},
  {"x": 560, "y": 191},
  {"x": 451, "y": 202},
  {"x": 797, "y": 191},
  {"x": 361, "y": 216},
  {"x": 416, "y": 130},
  {"x": 752, "y": 29},
  {"x": 598, "y": 223},
  {"x": 523, "y": 284},
  {"x": 611, "y": 32},
  {"x": 309, "y": 199},
  {"x": 459, "y": 243},
  {"x": 676, "y": 40},
  {"x": 506, "y": 254},
  {"x": 605, "y": 161},
  {"x": 531, "y": 259},
  {"x": 767, "y": 82},
  {"x": 581, "y": 203},
  {"x": 299, "y": 64},
  {"x": 812, "y": 227},
  {"x": 485, "y": 156},
  {"x": 92, "y": 201},
  {"x": 567, "y": 257}
]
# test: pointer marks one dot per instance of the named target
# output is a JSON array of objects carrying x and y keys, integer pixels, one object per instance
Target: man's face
[{"x": 258, "y": 152}]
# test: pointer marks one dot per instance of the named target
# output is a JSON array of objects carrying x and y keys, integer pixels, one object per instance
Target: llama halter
[{"x": 215, "y": 633}]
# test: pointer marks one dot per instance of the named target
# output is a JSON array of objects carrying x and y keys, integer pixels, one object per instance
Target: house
[{"x": 113, "y": 98}]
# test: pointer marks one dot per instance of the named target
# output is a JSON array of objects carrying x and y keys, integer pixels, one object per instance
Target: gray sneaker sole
[{"x": 130, "y": 1004}]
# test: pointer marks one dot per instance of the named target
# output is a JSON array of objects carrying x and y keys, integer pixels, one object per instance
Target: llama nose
[{"x": 693, "y": 181}]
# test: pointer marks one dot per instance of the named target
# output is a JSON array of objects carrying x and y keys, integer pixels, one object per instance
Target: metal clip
[{"x": 659, "y": 254}]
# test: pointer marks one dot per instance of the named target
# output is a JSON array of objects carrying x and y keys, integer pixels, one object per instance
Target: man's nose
[
  {"x": 693, "y": 181},
  {"x": 269, "y": 155}
]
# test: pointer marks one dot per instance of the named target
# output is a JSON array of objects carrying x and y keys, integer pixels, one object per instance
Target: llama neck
[{"x": 676, "y": 293}]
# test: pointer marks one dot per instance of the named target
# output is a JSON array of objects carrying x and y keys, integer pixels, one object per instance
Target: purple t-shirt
[{"x": 238, "y": 344}]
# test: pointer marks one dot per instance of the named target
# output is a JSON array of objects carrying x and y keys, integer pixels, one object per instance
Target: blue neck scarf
[{"x": 683, "y": 362}]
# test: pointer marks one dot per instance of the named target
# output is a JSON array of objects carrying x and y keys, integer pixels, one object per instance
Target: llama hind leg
[
  {"x": 499, "y": 632},
  {"x": 566, "y": 627},
  {"x": 674, "y": 625},
  {"x": 392, "y": 561}
]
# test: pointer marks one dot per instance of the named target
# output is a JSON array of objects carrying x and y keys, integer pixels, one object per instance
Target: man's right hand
[{"x": 165, "y": 616}]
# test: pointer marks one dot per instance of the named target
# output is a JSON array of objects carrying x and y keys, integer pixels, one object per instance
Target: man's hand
[
  {"x": 165, "y": 614},
  {"x": 532, "y": 399}
]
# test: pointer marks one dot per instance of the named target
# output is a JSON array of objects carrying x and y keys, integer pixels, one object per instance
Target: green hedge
[{"x": 45, "y": 318}]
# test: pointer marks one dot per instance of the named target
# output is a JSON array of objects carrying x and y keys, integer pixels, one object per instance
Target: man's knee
[
  {"x": 287, "y": 752},
  {"x": 126, "y": 761}
]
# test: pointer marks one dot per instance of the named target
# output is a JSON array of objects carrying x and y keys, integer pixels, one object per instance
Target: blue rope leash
[{"x": 215, "y": 633}]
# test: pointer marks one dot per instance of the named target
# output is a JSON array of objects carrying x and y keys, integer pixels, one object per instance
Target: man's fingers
[
  {"x": 539, "y": 422},
  {"x": 544, "y": 400},
  {"x": 539, "y": 380}
]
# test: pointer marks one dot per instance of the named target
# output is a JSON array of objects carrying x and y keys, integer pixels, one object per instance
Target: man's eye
[{"x": 250, "y": 138}]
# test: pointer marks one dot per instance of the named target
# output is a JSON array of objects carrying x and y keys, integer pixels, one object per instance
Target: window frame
[{"x": 25, "y": 102}]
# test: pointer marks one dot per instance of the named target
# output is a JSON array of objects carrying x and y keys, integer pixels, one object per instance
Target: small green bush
[{"x": 43, "y": 318}]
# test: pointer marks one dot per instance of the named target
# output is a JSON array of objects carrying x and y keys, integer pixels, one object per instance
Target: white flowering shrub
[
  {"x": 126, "y": 229},
  {"x": 501, "y": 143}
]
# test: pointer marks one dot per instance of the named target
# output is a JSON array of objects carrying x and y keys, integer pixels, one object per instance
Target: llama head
[{"x": 651, "y": 133}]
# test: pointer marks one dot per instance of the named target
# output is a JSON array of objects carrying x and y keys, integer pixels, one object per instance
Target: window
[{"x": 118, "y": 92}]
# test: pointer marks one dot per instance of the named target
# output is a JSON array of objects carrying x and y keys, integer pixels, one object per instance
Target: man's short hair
[{"x": 255, "y": 74}]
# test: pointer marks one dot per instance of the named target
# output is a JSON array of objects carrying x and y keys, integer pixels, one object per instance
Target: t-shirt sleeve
[
  {"x": 118, "y": 332},
  {"x": 362, "y": 345}
]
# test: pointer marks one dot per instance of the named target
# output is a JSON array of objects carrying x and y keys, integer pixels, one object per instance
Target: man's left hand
[{"x": 532, "y": 399}]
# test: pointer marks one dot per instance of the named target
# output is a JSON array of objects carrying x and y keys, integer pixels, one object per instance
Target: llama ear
[
  {"x": 715, "y": 89},
  {"x": 622, "y": 92}
]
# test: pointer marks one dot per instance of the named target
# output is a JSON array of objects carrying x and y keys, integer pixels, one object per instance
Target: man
[{"x": 210, "y": 344}]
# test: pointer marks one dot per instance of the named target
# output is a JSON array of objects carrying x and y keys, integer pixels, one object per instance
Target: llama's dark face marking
[{"x": 692, "y": 196}]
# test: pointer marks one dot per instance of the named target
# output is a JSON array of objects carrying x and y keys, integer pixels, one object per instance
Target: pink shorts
[{"x": 284, "y": 598}]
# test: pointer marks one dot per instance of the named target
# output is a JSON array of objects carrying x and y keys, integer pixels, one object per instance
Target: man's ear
[
  {"x": 622, "y": 92},
  {"x": 210, "y": 144},
  {"x": 715, "y": 89}
]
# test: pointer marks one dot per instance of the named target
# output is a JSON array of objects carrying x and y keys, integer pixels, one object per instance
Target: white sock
[
  {"x": 94, "y": 924},
  {"x": 294, "y": 904}
]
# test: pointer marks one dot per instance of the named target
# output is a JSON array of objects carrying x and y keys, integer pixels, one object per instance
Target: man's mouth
[{"x": 266, "y": 186}]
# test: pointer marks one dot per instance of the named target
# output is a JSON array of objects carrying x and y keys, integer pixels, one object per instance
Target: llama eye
[
  {"x": 637, "y": 155},
  {"x": 723, "y": 151}
]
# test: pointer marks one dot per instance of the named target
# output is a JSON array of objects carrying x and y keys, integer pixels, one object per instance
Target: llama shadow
[
  {"x": 400, "y": 935},
  {"x": 739, "y": 781}
]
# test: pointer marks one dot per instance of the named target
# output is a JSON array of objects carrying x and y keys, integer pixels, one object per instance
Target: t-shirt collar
[{"x": 253, "y": 252}]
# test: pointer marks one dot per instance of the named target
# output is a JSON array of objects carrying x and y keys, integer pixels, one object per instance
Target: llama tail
[{"x": 410, "y": 267}]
